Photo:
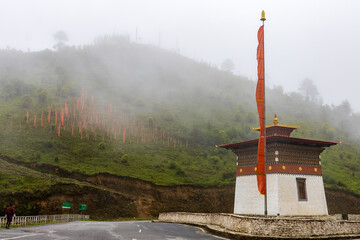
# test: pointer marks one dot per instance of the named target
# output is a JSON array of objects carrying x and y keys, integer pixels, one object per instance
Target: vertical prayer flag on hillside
[{"x": 260, "y": 101}]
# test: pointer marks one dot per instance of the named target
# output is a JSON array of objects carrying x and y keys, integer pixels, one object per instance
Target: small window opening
[{"x": 301, "y": 186}]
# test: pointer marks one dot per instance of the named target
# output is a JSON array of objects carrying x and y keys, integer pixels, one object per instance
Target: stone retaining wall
[{"x": 269, "y": 227}]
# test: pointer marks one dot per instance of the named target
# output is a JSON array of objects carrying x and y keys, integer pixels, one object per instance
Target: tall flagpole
[{"x": 265, "y": 196}]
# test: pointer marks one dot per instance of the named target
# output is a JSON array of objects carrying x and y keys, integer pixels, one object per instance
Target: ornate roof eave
[
  {"x": 272, "y": 139},
  {"x": 278, "y": 125}
]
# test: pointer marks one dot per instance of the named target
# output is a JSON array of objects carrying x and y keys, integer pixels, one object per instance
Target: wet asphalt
[{"x": 90, "y": 230}]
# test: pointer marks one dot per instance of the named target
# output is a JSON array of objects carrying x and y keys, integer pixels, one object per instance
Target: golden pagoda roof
[{"x": 278, "y": 125}]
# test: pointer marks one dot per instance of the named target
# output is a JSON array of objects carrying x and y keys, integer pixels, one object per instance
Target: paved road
[{"x": 132, "y": 230}]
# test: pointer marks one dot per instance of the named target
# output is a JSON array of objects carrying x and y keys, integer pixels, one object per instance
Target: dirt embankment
[
  {"x": 108, "y": 196},
  {"x": 112, "y": 197},
  {"x": 152, "y": 199},
  {"x": 339, "y": 201}
]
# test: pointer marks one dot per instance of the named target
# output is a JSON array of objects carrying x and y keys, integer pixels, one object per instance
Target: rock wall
[{"x": 269, "y": 227}]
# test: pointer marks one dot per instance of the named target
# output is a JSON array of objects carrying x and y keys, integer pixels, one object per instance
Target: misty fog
[{"x": 303, "y": 39}]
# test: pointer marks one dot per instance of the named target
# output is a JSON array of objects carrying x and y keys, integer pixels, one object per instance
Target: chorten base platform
[{"x": 270, "y": 227}]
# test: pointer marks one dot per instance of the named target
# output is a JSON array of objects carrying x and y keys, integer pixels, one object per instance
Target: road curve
[{"x": 129, "y": 230}]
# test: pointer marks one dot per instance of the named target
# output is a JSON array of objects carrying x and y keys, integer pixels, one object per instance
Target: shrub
[
  {"x": 101, "y": 146},
  {"x": 172, "y": 166},
  {"x": 26, "y": 101},
  {"x": 124, "y": 159},
  {"x": 48, "y": 144},
  {"x": 180, "y": 172}
]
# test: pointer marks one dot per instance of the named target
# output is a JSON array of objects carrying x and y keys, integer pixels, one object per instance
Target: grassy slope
[{"x": 160, "y": 164}]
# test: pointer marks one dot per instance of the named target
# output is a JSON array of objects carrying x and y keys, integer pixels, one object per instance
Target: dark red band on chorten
[{"x": 280, "y": 168}]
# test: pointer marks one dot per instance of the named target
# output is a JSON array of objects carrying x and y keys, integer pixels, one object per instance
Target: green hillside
[{"x": 143, "y": 112}]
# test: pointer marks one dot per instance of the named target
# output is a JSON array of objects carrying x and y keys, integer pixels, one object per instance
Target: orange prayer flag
[
  {"x": 49, "y": 116},
  {"x": 27, "y": 117},
  {"x": 59, "y": 129},
  {"x": 124, "y": 135},
  {"x": 62, "y": 116},
  {"x": 260, "y": 101}
]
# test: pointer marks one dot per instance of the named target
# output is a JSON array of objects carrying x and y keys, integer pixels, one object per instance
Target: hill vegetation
[{"x": 139, "y": 111}]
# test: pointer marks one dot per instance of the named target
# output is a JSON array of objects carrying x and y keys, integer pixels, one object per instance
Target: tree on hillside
[
  {"x": 228, "y": 65},
  {"x": 309, "y": 90},
  {"x": 60, "y": 37},
  {"x": 344, "y": 108}
]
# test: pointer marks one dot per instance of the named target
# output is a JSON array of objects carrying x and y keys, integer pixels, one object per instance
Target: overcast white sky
[{"x": 316, "y": 39}]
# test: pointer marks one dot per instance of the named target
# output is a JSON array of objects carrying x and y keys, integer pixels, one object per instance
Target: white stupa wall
[
  {"x": 282, "y": 195},
  {"x": 248, "y": 200},
  {"x": 288, "y": 196}
]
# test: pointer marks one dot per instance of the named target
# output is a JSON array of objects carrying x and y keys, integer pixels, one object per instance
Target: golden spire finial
[
  {"x": 275, "y": 120},
  {"x": 263, "y": 16}
]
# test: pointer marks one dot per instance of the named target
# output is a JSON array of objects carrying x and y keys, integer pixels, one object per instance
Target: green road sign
[
  {"x": 82, "y": 206},
  {"x": 66, "y": 205}
]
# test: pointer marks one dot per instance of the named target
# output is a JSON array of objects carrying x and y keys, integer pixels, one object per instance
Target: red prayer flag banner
[
  {"x": 62, "y": 116},
  {"x": 260, "y": 101},
  {"x": 124, "y": 135},
  {"x": 27, "y": 117}
]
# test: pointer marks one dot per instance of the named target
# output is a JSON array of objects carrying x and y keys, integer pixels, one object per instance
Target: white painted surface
[
  {"x": 288, "y": 196},
  {"x": 248, "y": 200},
  {"x": 282, "y": 195},
  {"x": 272, "y": 183}
]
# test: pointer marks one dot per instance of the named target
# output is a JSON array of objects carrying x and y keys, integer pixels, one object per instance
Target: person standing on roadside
[{"x": 10, "y": 213}]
